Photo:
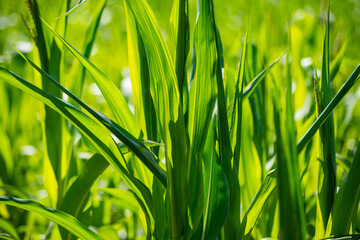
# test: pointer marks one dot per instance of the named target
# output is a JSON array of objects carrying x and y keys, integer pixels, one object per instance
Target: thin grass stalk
[{"x": 326, "y": 146}]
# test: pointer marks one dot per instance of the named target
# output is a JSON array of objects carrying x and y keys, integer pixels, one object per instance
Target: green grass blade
[
  {"x": 250, "y": 88},
  {"x": 350, "y": 82},
  {"x": 80, "y": 3},
  {"x": 61, "y": 218},
  {"x": 202, "y": 98},
  {"x": 253, "y": 212},
  {"x": 225, "y": 152},
  {"x": 76, "y": 68},
  {"x": 336, "y": 62},
  {"x": 292, "y": 217},
  {"x": 216, "y": 189},
  {"x": 268, "y": 186},
  {"x": 346, "y": 202},
  {"x": 326, "y": 146},
  {"x": 77, "y": 195},
  {"x": 164, "y": 89},
  {"x": 165, "y": 93},
  {"x": 140, "y": 79},
  {"x": 111, "y": 93},
  {"x": 236, "y": 115},
  {"x": 99, "y": 138},
  {"x": 180, "y": 26},
  {"x": 136, "y": 146},
  {"x": 50, "y": 59}
]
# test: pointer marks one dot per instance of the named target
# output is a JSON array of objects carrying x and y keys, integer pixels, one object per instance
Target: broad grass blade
[
  {"x": 65, "y": 220},
  {"x": 140, "y": 80},
  {"x": 216, "y": 189},
  {"x": 165, "y": 93},
  {"x": 202, "y": 98}
]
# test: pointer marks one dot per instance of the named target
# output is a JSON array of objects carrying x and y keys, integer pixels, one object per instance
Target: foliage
[{"x": 209, "y": 144}]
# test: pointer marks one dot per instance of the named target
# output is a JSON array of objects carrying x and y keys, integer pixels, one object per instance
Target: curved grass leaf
[
  {"x": 144, "y": 154},
  {"x": 111, "y": 93},
  {"x": 250, "y": 88},
  {"x": 61, "y": 218},
  {"x": 91, "y": 129},
  {"x": 253, "y": 212},
  {"x": 165, "y": 93},
  {"x": 328, "y": 109},
  {"x": 81, "y": 2}
]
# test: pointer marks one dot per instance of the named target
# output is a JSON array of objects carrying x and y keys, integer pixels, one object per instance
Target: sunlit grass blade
[
  {"x": 111, "y": 93},
  {"x": 346, "y": 202},
  {"x": 253, "y": 212},
  {"x": 61, "y": 218},
  {"x": 165, "y": 93},
  {"x": 140, "y": 79},
  {"x": 77, "y": 71},
  {"x": 100, "y": 139},
  {"x": 50, "y": 58},
  {"x": 216, "y": 189},
  {"x": 77, "y": 195},
  {"x": 202, "y": 98},
  {"x": 144, "y": 154},
  {"x": 292, "y": 217},
  {"x": 326, "y": 145}
]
